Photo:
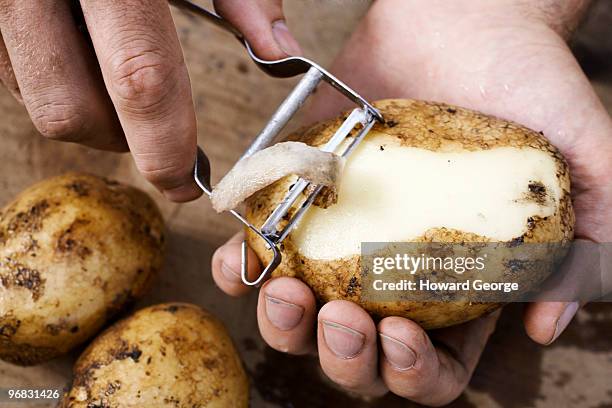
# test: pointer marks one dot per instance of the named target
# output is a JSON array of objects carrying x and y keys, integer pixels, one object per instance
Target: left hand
[{"x": 506, "y": 58}]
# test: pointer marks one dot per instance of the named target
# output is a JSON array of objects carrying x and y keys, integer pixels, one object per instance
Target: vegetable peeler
[{"x": 342, "y": 143}]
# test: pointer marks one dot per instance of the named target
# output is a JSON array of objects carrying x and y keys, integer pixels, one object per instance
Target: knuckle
[
  {"x": 57, "y": 120},
  {"x": 140, "y": 78},
  {"x": 7, "y": 7}
]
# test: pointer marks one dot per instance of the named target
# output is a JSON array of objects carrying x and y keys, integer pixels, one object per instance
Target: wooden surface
[{"x": 233, "y": 101}]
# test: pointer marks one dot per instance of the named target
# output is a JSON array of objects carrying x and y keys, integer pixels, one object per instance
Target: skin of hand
[
  {"x": 505, "y": 58},
  {"x": 123, "y": 84}
]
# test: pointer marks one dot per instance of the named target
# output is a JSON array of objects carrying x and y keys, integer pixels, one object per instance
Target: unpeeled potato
[
  {"x": 74, "y": 250},
  {"x": 168, "y": 355},
  {"x": 430, "y": 173}
]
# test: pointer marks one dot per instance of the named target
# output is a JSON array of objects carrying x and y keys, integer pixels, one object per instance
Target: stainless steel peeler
[{"x": 365, "y": 115}]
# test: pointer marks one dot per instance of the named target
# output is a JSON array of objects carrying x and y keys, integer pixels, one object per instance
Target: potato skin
[
  {"x": 74, "y": 250},
  {"x": 436, "y": 127},
  {"x": 168, "y": 355}
]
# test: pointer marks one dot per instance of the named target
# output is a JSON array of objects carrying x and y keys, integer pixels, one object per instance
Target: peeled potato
[
  {"x": 168, "y": 355},
  {"x": 430, "y": 173},
  {"x": 74, "y": 250}
]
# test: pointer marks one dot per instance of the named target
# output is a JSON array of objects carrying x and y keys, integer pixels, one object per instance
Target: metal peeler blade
[{"x": 363, "y": 118}]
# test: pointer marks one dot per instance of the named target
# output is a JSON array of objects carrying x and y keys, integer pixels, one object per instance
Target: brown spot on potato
[
  {"x": 172, "y": 400},
  {"x": 112, "y": 387},
  {"x": 80, "y": 187},
  {"x": 391, "y": 123},
  {"x": 70, "y": 241},
  {"x": 537, "y": 192},
  {"x": 55, "y": 328},
  {"x": 15, "y": 274},
  {"x": 172, "y": 308},
  {"x": 30, "y": 220},
  {"x": 531, "y": 223},
  {"x": 31, "y": 246},
  {"x": 351, "y": 289},
  {"x": 8, "y": 327},
  {"x": 125, "y": 351},
  {"x": 210, "y": 363},
  {"x": 326, "y": 197}
]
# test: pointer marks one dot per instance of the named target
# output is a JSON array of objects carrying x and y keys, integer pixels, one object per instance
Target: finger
[
  {"x": 286, "y": 315},
  {"x": 346, "y": 337},
  {"x": 413, "y": 368},
  {"x": 7, "y": 77},
  {"x": 545, "y": 321},
  {"x": 56, "y": 74},
  {"x": 226, "y": 266},
  {"x": 262, "y": 23},
  {"x": 145, "y": 74}
]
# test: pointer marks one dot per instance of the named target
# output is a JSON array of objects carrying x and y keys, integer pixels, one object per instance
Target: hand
[
  {"x": 507, "y": 59},
  {"x": 125, "y": 87}
]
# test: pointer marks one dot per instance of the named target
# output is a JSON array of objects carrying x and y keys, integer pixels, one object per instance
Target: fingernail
[
  {"x": 343, "y": 341},
  {"x": 397, "y": 353},
  {"x": 229, "y": 273},
  {"x": 283, "y": 315},
  {"x": 285, "y": 39},
  {"x": 565, "y": 318}
]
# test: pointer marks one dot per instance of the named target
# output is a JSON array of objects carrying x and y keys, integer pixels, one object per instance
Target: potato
[
  {"x": 168, "y": 355},
  {"x": 431, "y": 173},
  {"x": 74, "y": 250}
]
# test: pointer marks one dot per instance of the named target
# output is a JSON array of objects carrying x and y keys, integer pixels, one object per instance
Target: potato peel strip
[{"x": 266, "y": 166}]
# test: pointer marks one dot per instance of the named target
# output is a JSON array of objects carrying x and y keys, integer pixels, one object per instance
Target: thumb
[
  {"x": 262, "y": 23},
  {"x": 545, "y": 321}
]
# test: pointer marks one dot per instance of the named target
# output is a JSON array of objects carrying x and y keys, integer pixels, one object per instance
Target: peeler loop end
[{"x": 244, "y": 267}]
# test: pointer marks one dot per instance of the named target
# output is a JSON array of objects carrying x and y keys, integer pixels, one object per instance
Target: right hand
[{"x": 122, "y": 83}]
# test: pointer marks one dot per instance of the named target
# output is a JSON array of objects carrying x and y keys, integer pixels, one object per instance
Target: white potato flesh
[{"x": 394, "y": 193}]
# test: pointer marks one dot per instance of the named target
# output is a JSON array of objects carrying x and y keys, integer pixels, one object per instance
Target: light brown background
[{"x": 233, "y": 101}]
